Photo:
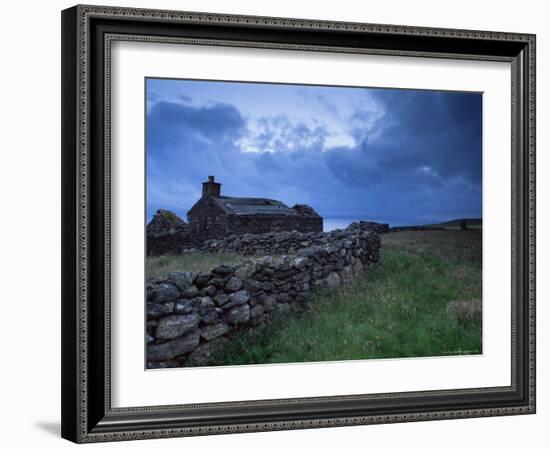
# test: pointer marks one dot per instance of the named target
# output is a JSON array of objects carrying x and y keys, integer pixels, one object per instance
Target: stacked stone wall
[
  {"x": 285, "y": 242},
  {"x": 188, "y": 314}
]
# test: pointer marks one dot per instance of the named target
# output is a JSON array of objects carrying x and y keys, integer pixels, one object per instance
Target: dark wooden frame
[{"x": 87, "y": 32}]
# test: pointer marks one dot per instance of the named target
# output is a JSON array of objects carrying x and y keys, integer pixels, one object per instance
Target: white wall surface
[{"x": 30, "y": 225}]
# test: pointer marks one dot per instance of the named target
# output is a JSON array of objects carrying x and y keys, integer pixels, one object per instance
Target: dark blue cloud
[
  {"x": 423, "y": 162},
  {"x": 169, "y": 123},
  {"x": 430, "y": 148}
]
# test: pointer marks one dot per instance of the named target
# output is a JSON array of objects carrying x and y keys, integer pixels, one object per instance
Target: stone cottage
[{"x": 215, "y": 216}]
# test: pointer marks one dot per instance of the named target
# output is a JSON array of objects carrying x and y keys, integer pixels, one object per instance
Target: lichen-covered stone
[
  {"x": 210, "y": 317},
  {"x": 267, "y": 286},
  {"x": 305, "y": 252},
  {"x": 221, "y": 299},
  {"x": 182, "y": 280},
  {"x": 233, "y": 285},
  {"x": 183, "y": 306},
  {"x": 173, "y": 348},
  {"x": 252, "y": 285},
  {"x": 203, "y": 305},
  {"x": 190, "y": 292},
  {"x": 156, "y": 310},
  {"x": 208, "y": 290},
  {"x": 174, "y": 326},
  {"x": 333, "y": 280},
  {"x": 238, "y": 314},
  {"x": 163, "y": 292},
  {"x": 239, "y": 297},
  {"x": 213, "y": 331}
]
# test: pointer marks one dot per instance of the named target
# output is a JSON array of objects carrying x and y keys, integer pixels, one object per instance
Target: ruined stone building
[
  {"x": 217, "y": 216},
  {"x": 167, "y": 234}
]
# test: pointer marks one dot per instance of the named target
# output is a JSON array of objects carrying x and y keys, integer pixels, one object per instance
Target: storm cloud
[{"x": 403, "y": 156}]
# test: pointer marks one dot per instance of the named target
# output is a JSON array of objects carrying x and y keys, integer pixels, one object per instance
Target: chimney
[{"x": 211, "y": 188}]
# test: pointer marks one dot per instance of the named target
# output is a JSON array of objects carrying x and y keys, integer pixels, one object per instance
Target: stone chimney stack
[{"x": 211, "y": 188}]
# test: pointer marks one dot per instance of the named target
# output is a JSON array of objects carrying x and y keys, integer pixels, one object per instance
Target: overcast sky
[{"x": 399, "y": 156}]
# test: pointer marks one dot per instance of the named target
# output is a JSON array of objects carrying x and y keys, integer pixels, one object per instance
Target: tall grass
[{"x": 398, "y": 309}]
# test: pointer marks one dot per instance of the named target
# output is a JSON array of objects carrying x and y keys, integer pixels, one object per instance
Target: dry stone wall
[
  {"x": 188, "y": 314},
  {"x": 286, "y": 242}
]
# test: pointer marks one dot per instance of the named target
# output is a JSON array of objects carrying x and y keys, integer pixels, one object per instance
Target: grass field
[
  {"x": 159, "y": 267},
  {"x": 423, "y": 299},
  {"x": 471, "y": 223}
]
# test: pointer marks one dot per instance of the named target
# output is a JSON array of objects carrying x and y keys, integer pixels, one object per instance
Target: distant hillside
[{"x": 470, "y": 222}]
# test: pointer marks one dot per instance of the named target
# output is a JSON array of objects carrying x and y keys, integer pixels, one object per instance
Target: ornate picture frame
[{"x": 87, "y": 35}]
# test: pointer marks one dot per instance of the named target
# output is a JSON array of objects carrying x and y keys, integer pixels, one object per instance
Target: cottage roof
[{"x": 255, "y": 206}]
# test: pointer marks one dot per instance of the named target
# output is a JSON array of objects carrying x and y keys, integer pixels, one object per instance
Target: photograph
[
  {"x": 276, "y": 222},
  {"x": 298, "y": 223}
]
